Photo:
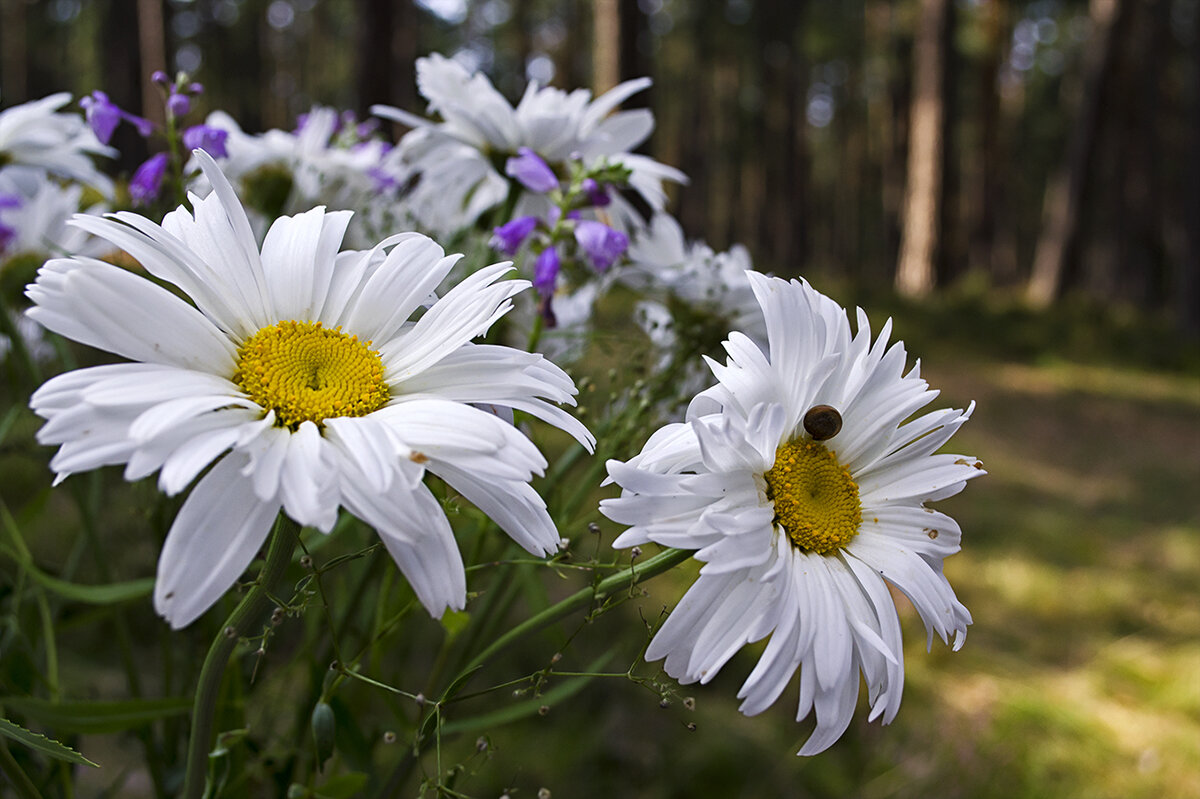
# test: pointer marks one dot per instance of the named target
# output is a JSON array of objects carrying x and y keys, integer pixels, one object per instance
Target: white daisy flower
[
  {"x": 695, "y": 294},
  {"x": 460, "y": 157},
  {"x": 34, "y": 135},
  {"x": 300, "y": 382},
  {"x": 802, "y": 489},
  {"x": 38, "y": 221}
]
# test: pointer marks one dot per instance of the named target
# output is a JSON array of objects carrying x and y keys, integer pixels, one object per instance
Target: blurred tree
[
  {"x": 1071, "y": 182},
  {"x": 924, "y": 198}
]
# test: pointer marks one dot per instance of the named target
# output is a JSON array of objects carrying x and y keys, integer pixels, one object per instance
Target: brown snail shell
[{"x": 822, "y": 422}]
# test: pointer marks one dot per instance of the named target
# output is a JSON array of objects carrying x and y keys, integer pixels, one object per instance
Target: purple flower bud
[
  {"x": 147, "y": 180},
  {"x": 545, "y": 271},
  {"x": 600, "y": 243},
  {"x": 158, "y": 76},
  {"x": 102, "y": 116},
  {"x": 508, "y": 237},
  {"x": 209, "y": 139},
  {"x": 534, "y": 173},
  {"x": 597, "y": 194},
  {"x": 178, "y": 104},
  {"x": 8, "y": 233},
  {"x": 195, "y": 88}
]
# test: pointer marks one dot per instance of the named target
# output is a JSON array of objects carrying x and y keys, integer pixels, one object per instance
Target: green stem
[
  {"x": 16, "y": 775},
  {"x": 663, "y": 561},
  {"x": 240, "y": 624}
]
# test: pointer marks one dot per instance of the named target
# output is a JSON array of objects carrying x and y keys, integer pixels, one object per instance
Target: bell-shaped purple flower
[
  {"x": 178, "y": 104},
  {"x": 509, "y": 237},
  {"x": 545, "y": 271},
  {"x": 596, "y": 192},
  {"x": 146, "y": 182},
  {"x": 101, "y": 114},
  {"x": 8, "y": 233},
  {"x": 601, "y": 244},
  {"x": 207, "y": 138},
  {"x": 533, "y": 173}
]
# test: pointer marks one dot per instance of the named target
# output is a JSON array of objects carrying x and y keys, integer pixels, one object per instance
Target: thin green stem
[
  {"x": 241, "y": 623},
  {"x": 16, "y": 775},
  {"x": 607, "y": 587}
]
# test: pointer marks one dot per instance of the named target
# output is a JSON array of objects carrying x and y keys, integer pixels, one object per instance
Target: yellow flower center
[
  {"x": 306, "y": 372},
  {"x": 816, "y": 500}
]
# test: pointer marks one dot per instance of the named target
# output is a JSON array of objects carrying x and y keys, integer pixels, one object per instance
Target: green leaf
[
  {"x": 97, "y": 717},
  {"x": 92, "y": 594},
  {"x": 40, "y": 743},
  {"x": 88, "y": 594}
]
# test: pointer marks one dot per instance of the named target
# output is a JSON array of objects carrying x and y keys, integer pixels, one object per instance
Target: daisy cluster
[{"x": 296, "y": 341}]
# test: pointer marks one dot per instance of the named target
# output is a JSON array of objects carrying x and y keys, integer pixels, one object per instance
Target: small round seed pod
[{"x": 822, "y": 422}]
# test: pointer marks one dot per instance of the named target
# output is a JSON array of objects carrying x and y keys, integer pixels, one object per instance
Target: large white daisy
[
  {"x": 460, "y": 158},
  {"x": 35, "y": 135},
  {"x": 297, "y": 377},
  {"x": 803, "y": 489}
]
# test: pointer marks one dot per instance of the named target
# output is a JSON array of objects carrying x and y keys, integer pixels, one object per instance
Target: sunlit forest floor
[{"x": 1080, "y": 564}]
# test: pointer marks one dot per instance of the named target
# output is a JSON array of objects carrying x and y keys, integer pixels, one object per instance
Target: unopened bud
[
  {"x": 635, "y": 553},
  {"x": 543, "y": 793},
  {"x": 231, "y": 632},
  {"x": 593, "y": 528},
  {"x": 557, "y": 656},
  {"x": 420, "y": 700},
  {"x": 481, "y": 744},
  {"x": 323, "y": 726}
]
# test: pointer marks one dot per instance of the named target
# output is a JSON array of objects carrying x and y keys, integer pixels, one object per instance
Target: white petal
[
  {"x": 107, "y": 307},
  {"x": 213, "y": 539}
]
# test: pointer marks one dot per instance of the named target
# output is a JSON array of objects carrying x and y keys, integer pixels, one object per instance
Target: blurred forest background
[
  {"x": 1047, "y": 148},
  {"x": 1017, "y": 183}
]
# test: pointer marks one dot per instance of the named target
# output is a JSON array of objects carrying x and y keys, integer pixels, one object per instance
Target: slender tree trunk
[
  {"x": 1187, "y": 283},
  {"x": 152, "y": 45},
  {"x": 606, "y": 45},
  {"x": 984, "y": 186},
  {"x": 374, "y": 68},
  {"x": 1067, "y": 188},
  {"x": 14, "y": 39},
  {"x": 924, "y": 195},
  {"x": 781, "y": 146},
  {"x": 1141, "y": 269}
]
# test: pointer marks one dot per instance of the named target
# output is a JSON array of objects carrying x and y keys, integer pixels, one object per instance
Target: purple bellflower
[
  {"x": 545, "y": 271},
  {"x": 508, "y": 237},
  {"x": 7, "y": 234},
  {"x": 147, "y": 180},
  {"x": 103, "y": 116},
  {"x": 601, "y": 244},
  {"x": 533, "y": 173},
  {"x": 597, "y": 194},
  {"x": 209, "y": 139}
]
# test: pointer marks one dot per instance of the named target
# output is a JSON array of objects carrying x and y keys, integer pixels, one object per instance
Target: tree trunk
[
  {"x": 985, "y": 184},
  {"x": 152, "y": 45},
  {"x": 924, "y": 194},
  {"x": 1187, "y": 283},
  {"x": 606, "y": 45},
  {"x": 1067, "y": 188},
  {"x": 374, "y": 68}
]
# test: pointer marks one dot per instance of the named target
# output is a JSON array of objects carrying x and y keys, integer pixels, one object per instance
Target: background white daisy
[{"x": 460, "y": 157}]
